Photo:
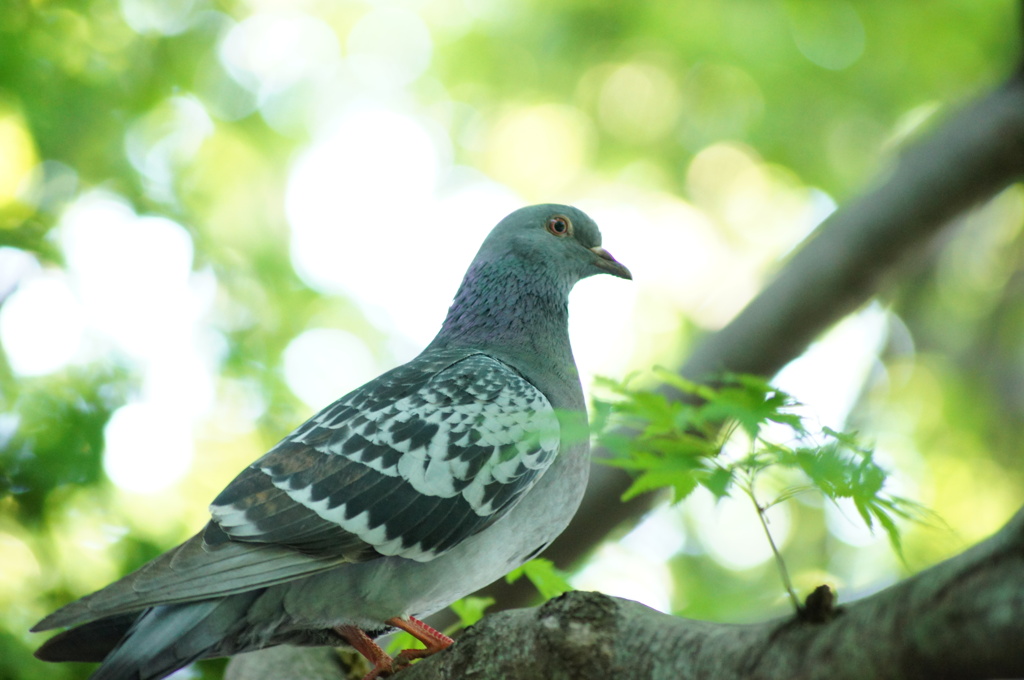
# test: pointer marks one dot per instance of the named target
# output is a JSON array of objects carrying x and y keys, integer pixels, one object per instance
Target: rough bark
[{"x": 961, "y": 619}]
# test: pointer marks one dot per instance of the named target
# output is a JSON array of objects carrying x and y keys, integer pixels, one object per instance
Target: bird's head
[
  {"x": 553, "y": 238},
  {"x": 516, "y": 291}
]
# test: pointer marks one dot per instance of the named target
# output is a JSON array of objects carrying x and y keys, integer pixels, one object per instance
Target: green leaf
[
  {"x": 891, "y": 530},
  {"x": 546, "y": 578},
  {"x": 718, "y": 482},
  {"x": 471, "y": 609},
  {"x": 752, "y": 402},
  {"x": 402, "y": 640},
  {"x": 681, "y": 483},
  {"x": 684, "y": 385}
]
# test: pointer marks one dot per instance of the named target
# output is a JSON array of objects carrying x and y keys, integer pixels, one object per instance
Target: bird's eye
[{"x": 559, "y": 225}]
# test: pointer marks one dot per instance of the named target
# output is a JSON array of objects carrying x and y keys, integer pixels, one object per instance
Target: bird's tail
[
  {"x": 158, "y": 642},
  {"x": 92, "y": 641}
]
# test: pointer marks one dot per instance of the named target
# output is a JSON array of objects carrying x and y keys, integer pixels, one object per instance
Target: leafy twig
[{"x": 678, "y": 445}]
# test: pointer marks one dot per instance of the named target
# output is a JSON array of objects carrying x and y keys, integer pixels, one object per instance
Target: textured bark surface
[{"x": 963, "y": 618}]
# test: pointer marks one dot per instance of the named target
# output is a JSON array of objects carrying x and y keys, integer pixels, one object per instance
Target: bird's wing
[{"x": 409, "y": 464}]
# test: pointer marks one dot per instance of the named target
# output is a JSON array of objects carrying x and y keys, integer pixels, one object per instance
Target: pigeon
[{"x": 408, "y": 493}]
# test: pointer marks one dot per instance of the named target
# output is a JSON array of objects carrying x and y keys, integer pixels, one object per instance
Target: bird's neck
[{"x": 510, "y": 308}]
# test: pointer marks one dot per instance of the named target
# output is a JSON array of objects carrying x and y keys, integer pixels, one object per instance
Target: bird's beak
[{"x": 609, "y": 264}]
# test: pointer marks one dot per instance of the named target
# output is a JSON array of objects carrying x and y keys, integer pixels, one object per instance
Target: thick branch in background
[{"x": 961, "y": 163}]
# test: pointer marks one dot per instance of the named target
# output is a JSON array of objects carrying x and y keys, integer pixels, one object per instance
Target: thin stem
[{"x": 783, "y": 571}]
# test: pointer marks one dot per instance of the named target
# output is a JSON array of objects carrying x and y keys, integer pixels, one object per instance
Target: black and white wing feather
[{"x": 410, "y": 465}]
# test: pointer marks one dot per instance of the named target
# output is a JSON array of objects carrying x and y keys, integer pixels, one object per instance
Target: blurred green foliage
[
  {"x": 546, "y": 578},
  {"x": 138, "y": 99}
]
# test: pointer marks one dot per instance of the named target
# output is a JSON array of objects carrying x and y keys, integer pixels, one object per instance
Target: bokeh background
[{"x": 216, "y": 217}]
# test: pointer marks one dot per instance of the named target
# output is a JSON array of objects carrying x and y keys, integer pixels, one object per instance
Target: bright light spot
[
  {"x": 238, "y": 406},
  {"x": 41, "y": 326},
  {"x": 659, "y": 535},
  {"x": 600, "y": 311},
  {"x": 15, "y": 266},
  {"x": 617, "y": 325},
  {"x": 846, "y": 354},
  {"x": 620, "y": 326},
  {"x": 759, "y": 212},
  {"x": 132, "y": 273},
  {"x": 638, "y": 102},
  {"x": 540, "y": 150},
  {"x": 767, "y": 209},
  {"x": 821, "y": 208},
  {"x": 148, "y": 446},
  {"x": 9, "y": 423},
  {"x": 619, "y": 572},
  {"x": 272, "y": 51},
  {"x": 372, "y": 170},
  {"x": 180, "y": 375},
  {"x": 636, "y": 567},
  {"x": 845, "y": 523},
  {"x": 167, "y": 138},
  {"x": 168, "y": 17},
  {"x": 459, "y": 219},
  {"x": 731, "y": 532},
  {"x": 389, "y": 46},
  {"x": 20, "y": 565},
  {"x": 322, "y": 364},
  {"x": 134, "y": 277},
  {"x": 17, "y": 158},
  {"x": 374, "y": 217},
  {"x": 711, "y": 179}
]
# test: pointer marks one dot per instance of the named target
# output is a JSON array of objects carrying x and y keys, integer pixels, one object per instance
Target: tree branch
[
  {"x": 852, "y": 255},
  {"x": 961, "y": 619}
]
